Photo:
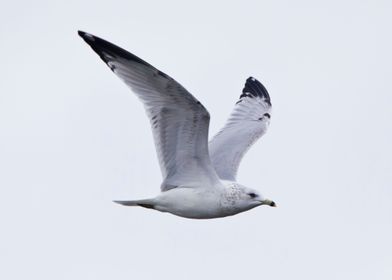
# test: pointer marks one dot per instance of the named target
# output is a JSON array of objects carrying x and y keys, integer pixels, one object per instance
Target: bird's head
[{"x": 251, "y": 198}]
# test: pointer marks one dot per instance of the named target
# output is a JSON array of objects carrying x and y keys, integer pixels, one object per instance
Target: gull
[{"x": 199, "y": 177}]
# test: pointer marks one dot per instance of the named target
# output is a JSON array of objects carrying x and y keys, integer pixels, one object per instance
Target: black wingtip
[
  {"x": 105, "y": 49},
  {"x": 86, "y": 36},
  {"x": 253, "y": 88}
]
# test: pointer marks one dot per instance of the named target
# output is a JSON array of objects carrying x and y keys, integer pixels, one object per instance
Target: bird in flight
[{"x": 199, "y": 177}]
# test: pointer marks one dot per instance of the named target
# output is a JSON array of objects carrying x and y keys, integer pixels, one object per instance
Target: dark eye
[{"x": 252, "y": 195}]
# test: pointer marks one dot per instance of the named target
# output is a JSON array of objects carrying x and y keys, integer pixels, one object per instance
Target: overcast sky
[{"x": 73, "y": 138}]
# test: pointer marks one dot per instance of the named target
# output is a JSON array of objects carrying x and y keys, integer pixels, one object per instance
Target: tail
[{"x": 146, "y": 203}]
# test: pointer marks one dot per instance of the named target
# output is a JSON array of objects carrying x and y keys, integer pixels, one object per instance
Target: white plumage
[
  {"x": 194, "y": 186},
  {"x": 247, "y": 123}
]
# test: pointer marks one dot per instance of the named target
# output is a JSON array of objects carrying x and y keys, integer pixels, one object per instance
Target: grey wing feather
[
  {"x": 248, "y": 121},
  {"x": 179, "y": 121}
]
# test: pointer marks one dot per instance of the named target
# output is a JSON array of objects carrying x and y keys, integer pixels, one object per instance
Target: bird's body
[
  {"x": 199, "y": 202},
  {"x": 199, "y": 177},
  {"x": 192, "y": 202}
]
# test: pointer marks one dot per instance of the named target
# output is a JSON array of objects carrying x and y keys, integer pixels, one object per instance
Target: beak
[{"x": 268, "y": 202}]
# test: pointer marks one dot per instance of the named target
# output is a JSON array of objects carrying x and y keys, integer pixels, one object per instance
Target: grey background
[{"x": 73, "y": 138}]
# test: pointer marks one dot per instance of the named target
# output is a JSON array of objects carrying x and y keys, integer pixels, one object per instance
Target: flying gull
[{"x": 199, "y": 177}]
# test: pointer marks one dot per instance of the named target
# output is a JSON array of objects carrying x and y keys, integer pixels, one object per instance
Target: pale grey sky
[{"x": 73, "y": 138}]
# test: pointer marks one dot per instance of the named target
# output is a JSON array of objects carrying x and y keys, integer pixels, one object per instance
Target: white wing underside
[
  {"x": 179, "y": 121},
  {"x": 248, "y": 121}
]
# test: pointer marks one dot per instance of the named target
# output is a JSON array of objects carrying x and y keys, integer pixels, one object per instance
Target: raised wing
[
  {"x": 247, "y": 123},
  {"x": 179, "y": 121}
]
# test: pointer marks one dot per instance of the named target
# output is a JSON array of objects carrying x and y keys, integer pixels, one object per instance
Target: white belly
[{"x": 196, "y": 203}]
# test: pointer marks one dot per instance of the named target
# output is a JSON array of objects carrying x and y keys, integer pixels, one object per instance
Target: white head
[{"x": 247, "y": 198}]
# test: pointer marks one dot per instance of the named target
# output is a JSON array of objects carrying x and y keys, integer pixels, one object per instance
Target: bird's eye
[{"x": 252, "y": 195}]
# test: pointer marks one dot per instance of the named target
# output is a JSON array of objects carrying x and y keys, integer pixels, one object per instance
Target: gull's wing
[
  {"x": 248, "y": 122},
  {"x": 179, "y": 121}
]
